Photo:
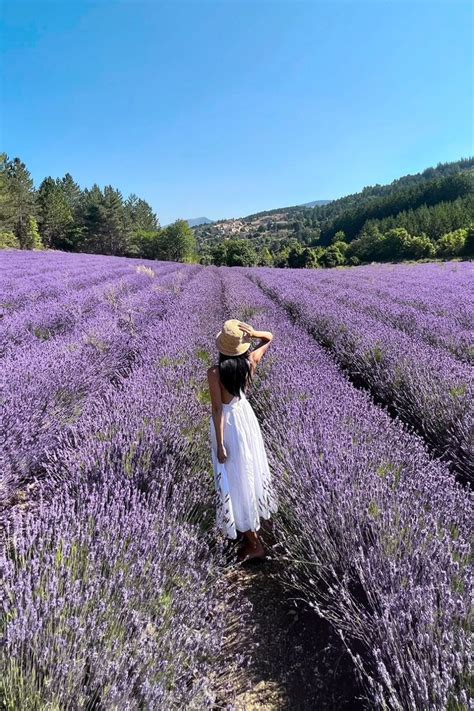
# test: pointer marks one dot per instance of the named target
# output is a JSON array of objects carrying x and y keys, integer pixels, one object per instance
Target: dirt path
[{"x": 297, "y": 661}]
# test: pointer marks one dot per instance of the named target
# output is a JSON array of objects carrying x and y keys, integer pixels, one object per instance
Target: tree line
[
  {"x": 394, "y": 245},
  {"x": 427, "y": 215},
  {"x": 60, "y": 215}
]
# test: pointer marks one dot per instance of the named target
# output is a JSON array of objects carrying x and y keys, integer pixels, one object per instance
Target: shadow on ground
[{"x": 297, "y": 662}]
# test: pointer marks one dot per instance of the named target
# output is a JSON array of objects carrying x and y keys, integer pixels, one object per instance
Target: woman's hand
[
  {"x": 246, "y": 328},
  {"x": 221, "y": 453}
]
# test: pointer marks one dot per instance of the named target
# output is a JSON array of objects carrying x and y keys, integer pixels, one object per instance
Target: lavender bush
[
  {"x": 115, "y": 596},
  {"x": 424, "y": 385},
  {"x": 47, "y": 386},
  {"x": 113, "y": 569},
  {"x": 112, "y": 602},
  {"x": 376, "y": 534},
  {"x": 432, "y": 302}
]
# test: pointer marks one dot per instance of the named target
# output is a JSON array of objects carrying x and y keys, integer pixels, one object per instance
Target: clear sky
[{"x": 227, "y": 107}]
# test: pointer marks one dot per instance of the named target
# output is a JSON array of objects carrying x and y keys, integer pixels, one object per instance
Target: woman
[{"x": 241, "y": 471}]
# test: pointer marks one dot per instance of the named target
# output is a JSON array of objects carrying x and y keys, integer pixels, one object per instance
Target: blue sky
[{"x": 224, "y": 108}]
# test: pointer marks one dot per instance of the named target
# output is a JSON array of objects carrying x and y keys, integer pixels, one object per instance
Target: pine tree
[
  {"x": 21, "y": 198},
  {"x": 89, "y": 219},
  {"x": 141, "y": 214},
  {"x": 117, "y": 226},
  {"x": 107, "y": 228},
  {"x": 469, "y": 243},
  {"x": 29, "y": 237},
  {"x": 5, "y": 198},
  {"x": 72, "y": 192},
  {"x": 54, "y": 214}
]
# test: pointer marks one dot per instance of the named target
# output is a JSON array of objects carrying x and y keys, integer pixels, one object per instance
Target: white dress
[{"x": 243, "y": 484}]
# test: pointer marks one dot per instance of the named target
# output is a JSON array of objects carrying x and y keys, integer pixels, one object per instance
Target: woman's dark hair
[{"x": 235, "y": 372}]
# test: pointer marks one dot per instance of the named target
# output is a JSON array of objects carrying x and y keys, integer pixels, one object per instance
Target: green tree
[
  {"x": 30, "y": 236},
  {"x": 21, "y": 200},
  {"x": 205, "y": 257},
  {"x": 420, "y": 247},
  {"x": 280, "y": 258},
  {"x": 295, "y": 259},
  {"x": 333, "y": 257},
  {"x": 469, "y": 243},
  {"x": 117, "y": 232},
  {"x": 219, "y": 254},
  {"x": 91, "y": 221},
  {"x": 141, "y": 214},
  {"x": 72, "y": 192},
  {"x": 341, "y": 246},
  {"x": 452, "y": 244},
  {"x": 395, "y": 245},
  {"x": 106, "y": 223},
  {"x": 146, "y": 244},
  {"x": 339, "y": 236},
  {"x": 179, "y": 242},
  {"x": 318, "y": 254},
  {"x": 6, "y": 210},
  {"x": 8, "y": 241},
  {"x": 302, "y": 258},
  {"x": 55, "y": 216},
  {"x": 315, "y": 238},
  {"x": 240, "y": 253},
  {"x": 367, "y": 247},
  {"x": 265, "y": 258},
  {"x": 310, "y": 258}
]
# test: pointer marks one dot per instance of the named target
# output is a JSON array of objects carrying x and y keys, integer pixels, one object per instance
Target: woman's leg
[{"x": 253, "y": 547}]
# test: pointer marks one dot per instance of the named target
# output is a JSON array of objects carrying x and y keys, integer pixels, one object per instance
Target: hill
[
  {"x": 315, "y": 203},
  {"x": 429, "y": 204},
  {"x": 196, "y": 221}
]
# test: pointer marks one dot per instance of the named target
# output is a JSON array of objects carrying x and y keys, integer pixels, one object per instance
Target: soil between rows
[{"x": 297, "y": 662}]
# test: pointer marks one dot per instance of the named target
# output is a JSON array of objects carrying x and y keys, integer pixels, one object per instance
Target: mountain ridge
[{"x": 196, "y": 221}]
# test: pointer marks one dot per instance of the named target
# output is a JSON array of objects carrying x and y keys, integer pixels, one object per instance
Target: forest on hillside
[
  {"x": 427, "y": 215},
  {"x": 422, "y": 216}
]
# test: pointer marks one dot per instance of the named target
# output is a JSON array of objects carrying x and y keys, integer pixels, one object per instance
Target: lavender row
[
  {"x": 47, "y": 275},
  {"x": 40, "y": 277},
  {"x": 422, "y": 385},
  {"x": 46, "y": 388},
  {"x": 441, "y": 331},
  {"x": 21, "y": 291},
  {"x": 46, "y": 319},
  {"x": 438, "y": 289},
  {"x": 113, "y": 598},
  {"x": 376, "y": 534}
]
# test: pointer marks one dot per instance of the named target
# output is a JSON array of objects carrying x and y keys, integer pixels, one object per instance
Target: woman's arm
[
  {"x": 265, "y": 336},
  {"x": 217, "y": 412}
]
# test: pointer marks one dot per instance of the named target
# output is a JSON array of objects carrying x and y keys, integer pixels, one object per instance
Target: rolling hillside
[{"x": 317, "y": 223}]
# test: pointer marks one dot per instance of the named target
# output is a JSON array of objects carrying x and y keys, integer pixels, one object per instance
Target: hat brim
[{"x": 241, "y": 348}]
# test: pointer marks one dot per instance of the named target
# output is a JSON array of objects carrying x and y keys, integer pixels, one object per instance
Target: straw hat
[{"x": 231, "y": 340}]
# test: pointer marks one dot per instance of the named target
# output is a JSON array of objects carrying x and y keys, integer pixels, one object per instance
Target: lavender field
[{"x": 114, "y": 573}]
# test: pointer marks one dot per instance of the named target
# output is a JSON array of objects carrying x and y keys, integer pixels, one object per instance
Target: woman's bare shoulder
[{"x": 213, "y": 371}]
